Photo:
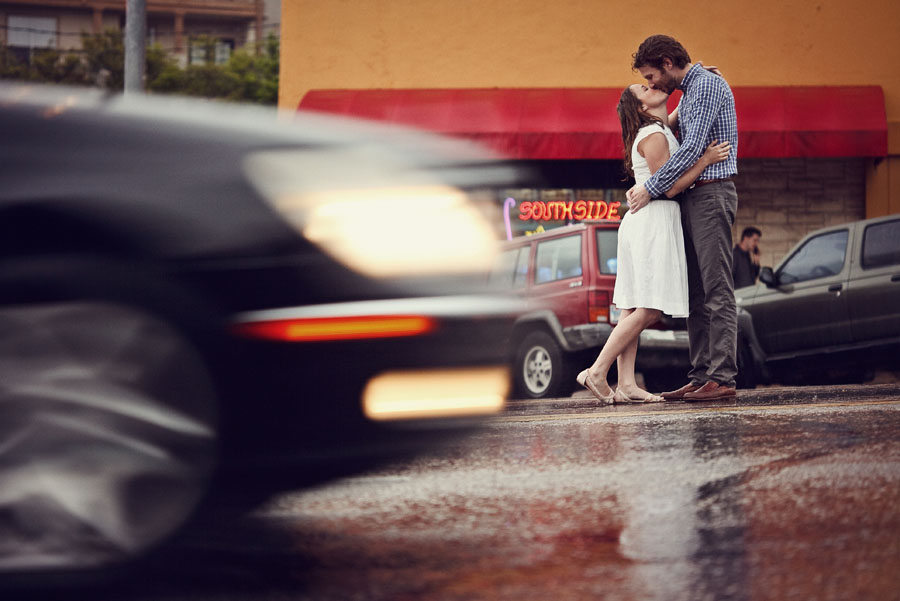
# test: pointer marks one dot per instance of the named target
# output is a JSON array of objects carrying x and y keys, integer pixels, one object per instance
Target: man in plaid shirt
[{"x": 705, "y": 113}]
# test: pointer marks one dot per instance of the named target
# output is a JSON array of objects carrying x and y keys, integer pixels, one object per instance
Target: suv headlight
[{"x": 384, "y": 227}]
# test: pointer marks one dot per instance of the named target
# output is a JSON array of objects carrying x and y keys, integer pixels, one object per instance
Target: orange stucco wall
[
  {"x": 535, "y": 43},
  {"x": 582, "y": 43}
]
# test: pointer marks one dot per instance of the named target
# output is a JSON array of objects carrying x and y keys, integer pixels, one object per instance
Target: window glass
[
  {"x": 511, "y": 268},
  {"x": 204, "y": 51},
  {"x": 504, "y": 268},
  {"x": 820, "y": 257},
  {"x": 881, "y": 244},
  {"x": 607, "y": 250},
  {"x": 558, "y": 259},
  {"x": 31, "y": 32},
  {"x": 224, "y": 48},
  {"x": 522, "y": 267},
  {"x": 198, "y": 53}
]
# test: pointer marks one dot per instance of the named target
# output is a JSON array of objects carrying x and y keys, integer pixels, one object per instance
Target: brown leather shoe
[
  {"x": 677, "y": 395},
  {"x": 710, "y": 392}
]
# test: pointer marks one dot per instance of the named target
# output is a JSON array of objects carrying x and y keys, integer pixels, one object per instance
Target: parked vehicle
[
  {"x": 199, "y": 297},
  {"x": 830, "y": 311},
  {"x": 567, "y": 276}
]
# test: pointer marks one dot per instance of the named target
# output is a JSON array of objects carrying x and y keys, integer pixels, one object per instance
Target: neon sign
[
  {"x": 558, "y": 210},
  {"x": 509, "y": 203},
  {"x": 577, "y": 210}
]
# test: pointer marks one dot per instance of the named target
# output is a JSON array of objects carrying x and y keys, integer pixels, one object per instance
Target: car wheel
[
  {"x": 746, "y": 376},
  {"x": 539, "y": 367},
  {"x": 107, "y": 434}
]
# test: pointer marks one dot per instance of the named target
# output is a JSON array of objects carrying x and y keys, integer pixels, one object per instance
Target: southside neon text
[{"x": 580, "y": 209}]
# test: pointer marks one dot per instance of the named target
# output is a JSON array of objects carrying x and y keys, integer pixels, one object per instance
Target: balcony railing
[{"x": 208, "y": 7}]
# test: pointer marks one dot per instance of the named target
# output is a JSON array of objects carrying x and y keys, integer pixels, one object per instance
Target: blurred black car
[
  {"x": 197, "y": 297},
  {"x": 829, "y": 312}
]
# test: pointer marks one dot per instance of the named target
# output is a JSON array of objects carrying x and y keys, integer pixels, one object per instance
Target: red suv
[{"x": 567, "y": 276}]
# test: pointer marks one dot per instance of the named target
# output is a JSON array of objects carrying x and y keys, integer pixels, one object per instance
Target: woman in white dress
[{"x": 652, "y": 272}]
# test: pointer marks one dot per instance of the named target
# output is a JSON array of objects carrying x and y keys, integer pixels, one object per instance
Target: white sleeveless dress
[{"x": 652, "y": 270}]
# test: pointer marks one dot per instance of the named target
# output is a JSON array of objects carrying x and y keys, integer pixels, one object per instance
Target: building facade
[
  {"x": 30, "y": 24},
  {"x": 575, "y": 45}
]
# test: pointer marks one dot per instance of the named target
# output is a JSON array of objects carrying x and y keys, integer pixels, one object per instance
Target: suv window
[
  {"x": 511, "y": 268},
  {"x": 558, "y": 259},
  {"x": 881, "y": 244},
  {"x": 819, "y": 257},
  {"x": 522, "y": 267},
  {"x": 607, "y": 250}
]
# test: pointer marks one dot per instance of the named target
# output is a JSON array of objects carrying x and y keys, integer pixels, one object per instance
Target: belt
[{"x": 703, "y": 182}]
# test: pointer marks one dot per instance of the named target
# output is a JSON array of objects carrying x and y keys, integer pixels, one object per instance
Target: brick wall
[{"x": 788, "y": 198}]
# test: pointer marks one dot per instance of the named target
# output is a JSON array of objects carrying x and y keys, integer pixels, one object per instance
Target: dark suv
[
  {"x": 567, "y": 276},
  {"x": 830, "y": 311}
]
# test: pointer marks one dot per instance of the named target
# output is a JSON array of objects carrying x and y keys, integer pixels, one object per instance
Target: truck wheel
[{"x": 540, "y": 369}]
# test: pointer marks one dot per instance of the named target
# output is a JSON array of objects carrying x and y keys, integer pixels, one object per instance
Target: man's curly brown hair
[{"x": 655, "y": 49}]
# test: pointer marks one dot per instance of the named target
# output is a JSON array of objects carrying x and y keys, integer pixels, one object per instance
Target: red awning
[
  {"x": 581, "y": 123},
  {"x": 807, "y": 121}
]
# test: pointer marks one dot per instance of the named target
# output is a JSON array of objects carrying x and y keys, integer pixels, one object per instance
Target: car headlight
[
  {"x": 380, "y": 226},
  {"x": 397, "y": 231}
]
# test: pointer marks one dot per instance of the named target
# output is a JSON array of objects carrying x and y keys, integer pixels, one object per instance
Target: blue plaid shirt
[{"x": 705, "y": 113}]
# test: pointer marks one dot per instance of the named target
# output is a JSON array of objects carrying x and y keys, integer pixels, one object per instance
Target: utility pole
[{"x": 135, "y": 45}]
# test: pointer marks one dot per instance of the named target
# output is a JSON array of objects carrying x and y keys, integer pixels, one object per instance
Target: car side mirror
[{"x": 767, "y": 277}]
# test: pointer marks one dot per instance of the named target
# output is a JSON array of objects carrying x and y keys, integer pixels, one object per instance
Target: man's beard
[{"x": 667, "y": 83}]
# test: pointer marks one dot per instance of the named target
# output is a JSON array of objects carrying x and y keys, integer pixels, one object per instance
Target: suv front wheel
[{"x": 539, "y": 369}]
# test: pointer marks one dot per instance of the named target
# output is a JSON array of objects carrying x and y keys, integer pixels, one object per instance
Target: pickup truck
[{"x": 829, "y": 312}]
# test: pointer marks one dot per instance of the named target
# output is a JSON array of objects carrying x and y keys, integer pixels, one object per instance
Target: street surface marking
[{"x": 588, "y": 414}]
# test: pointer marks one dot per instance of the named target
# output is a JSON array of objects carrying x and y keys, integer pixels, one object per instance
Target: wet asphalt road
[{"x": 783, "y": 494}]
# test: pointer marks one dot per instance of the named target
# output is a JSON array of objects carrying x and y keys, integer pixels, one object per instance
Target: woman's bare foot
[
  {"x": 596, "y": 388},
  {"x": 635, "y": 394}
]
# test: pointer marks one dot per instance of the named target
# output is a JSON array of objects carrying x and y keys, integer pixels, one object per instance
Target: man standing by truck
[{"x": 745, "y": 258}]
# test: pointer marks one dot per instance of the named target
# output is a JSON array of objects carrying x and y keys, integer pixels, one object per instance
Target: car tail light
[
  {"x": 598, "y": 306},
  {"x": 337, "y": 328}
]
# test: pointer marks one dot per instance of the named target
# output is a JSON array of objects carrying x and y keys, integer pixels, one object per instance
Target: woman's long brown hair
[{"x": 633, "y": 118}]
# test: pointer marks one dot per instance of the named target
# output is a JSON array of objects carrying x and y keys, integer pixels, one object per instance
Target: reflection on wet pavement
[{"x": 762, "y": 503}]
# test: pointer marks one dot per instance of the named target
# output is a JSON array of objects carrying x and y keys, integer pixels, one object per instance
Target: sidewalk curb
[
  {"x": 799, "y": 395},
  {"x": 809, "y": 394}
]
